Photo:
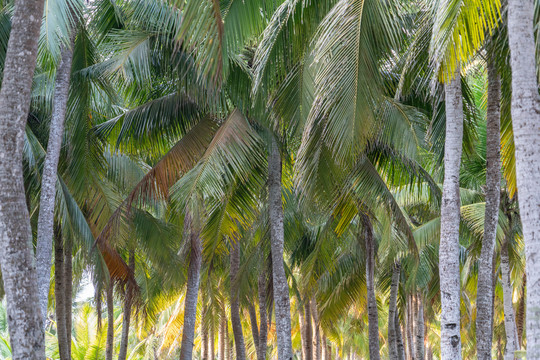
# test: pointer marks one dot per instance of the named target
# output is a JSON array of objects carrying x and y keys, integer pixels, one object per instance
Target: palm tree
[
  {"x": 18, "y": 269},
  {"x": 525, "y": 117}
]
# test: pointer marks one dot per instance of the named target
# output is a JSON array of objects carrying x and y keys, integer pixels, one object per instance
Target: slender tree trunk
[
  {"x": 520, "y": 316},
  {"x": 235, "y": 304},
  {"x": 328, "y": 351},
  {"x": 484, "y": 303},
  {"x": 317, "y": 330},
  {"x": 192, "y": 289},
  {"x": 229, "y": 345},
  {"x": 48, "y": 180},
  {"x": 18, "y": 269},
  {"x": 306, "y": 332},
  {"x": 392, "y": 311},
  {"x": 59, "y": 289},
  {"x": 204, "y": 334},
  {"x": 221, "y": 335},
  {"x": 211, "y": 340},
  {"x": 68, "y": 289},
  {"x": 281, "y": 287},
  {"x": 399, "y": 338},
  {"x": 373, "y": 318},
  {"x": 127, "y": 312},
  {"x": 410, "y": 327},
  {"x": 509, "y": 318},
  {"x": 110, "y": 321},
  {"x": 254, "y": 327},
  {"x": 263, "y": 333},
  {"x": 420, "y": 330},
  {"x": 449, "y": 245},
  {"x": 526, "y": 125}
]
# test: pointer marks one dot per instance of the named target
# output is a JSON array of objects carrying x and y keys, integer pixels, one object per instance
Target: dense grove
[{"x": 269, "y": 179}]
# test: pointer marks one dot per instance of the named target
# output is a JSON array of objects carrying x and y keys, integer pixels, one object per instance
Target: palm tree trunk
[
  {"x": 410, "y": 327},
  {"x": 449, "y": 245},
  {"x": 204, "y": 333},
  {"x": 110, "y": 321},
  {"x": 520, "y": 316},
  {"x": 235, "y": 304},
  {"x": 127, "y": 312},
  {"x": 525, "y": 119},
  {"x": 254, "y": 327},
  {"x": 59, "y": 290},
  {"x": 263, "y": 332},
  {"x": 281, "y": 287},
  {"x": 399, "y": 338},
  {"x": 192, "y": 289},
  {"x": 307, "y": 332},
  {"x": 509, "y": 317},
  {"x": 48, "y": 181},
  {"x": 68, "y": 289},
  {"x": 221, "y": 335},
  {"x": 328, "y": 351},
  {"x": 420, "y": 330},
  {"x": 392, "y": 311},
  {"x": 211, "y": 340},
  {"x": 484, "y": 304},
  {"x": 373, "y": 318},
  {"x": 317, "y": 328},
  {"x": 18, "y": 269}
]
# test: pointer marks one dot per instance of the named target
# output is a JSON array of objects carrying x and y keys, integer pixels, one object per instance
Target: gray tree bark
[
  {"x": 49, "y": 177},
  {"x": 526, "y": 126},
  {"x": 373, "y": 317},
  {"x": 399, "y": 338},
  {"x": 420, "y": 330},
  {"x": 235, "y": 304},
  {"x": 126, "y": 316},
  {"x": 254, "y": 327},
  {"x": 109, "y": 347},
  {"x": 16, "y": 258},
  {"x": 484, "y": 303},
  {"x": 306, "y": 331},
  {"x": 449, "y": 245},
  {"x": 59, "y": 290},
  {"x": 204, "y": 333},
  {"x": 509, "y": 317},
  {"x": 221, "y": 335},
  {"x": 281, "y": 287},
  {"x": 263, "y": 317},
  {"x": 317, "y": 330},
  {"x": 192, "y": 289},
  {"x": 68, "y": 289},
  {"x": 211, "y": 341},
  {"x": 392, "y": 311}
]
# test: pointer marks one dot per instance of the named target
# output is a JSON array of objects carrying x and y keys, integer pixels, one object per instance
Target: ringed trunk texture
[
  {"x": 280, "y": 285},
  {"x": 317, "y": 330},
  {"x": 263, "y": 316},
  {"x": 420, "y": 330},
  {"x": 399, "y": 338},
  {"x": 110, "y": 321},
  {"x": 449, "y": 245},
  {"x": 306, "y": 332},
  {"x": 204, "y": 334},
  {"x": 59, "y": 290},
  {"x": 221, "y": 335},
  {"x": 235, "y": 304},
  {"x": 211, "y": 341},
  {"x": 192, "y": 289},
  {"x": 392, "y": 311},
  {"x": 526, "y": 125},
  {"x": 126, "y": 316},
  {"x": 373, "y": 318},
  {"x": 254, "y": 327},
  {"x": 18, "y": 269},
  {"x": 49, "y": 177},
  {"x": 512, "y": 343},
  {"x": 68, "y": 289},
  {"x": 484, "y": 301}
]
